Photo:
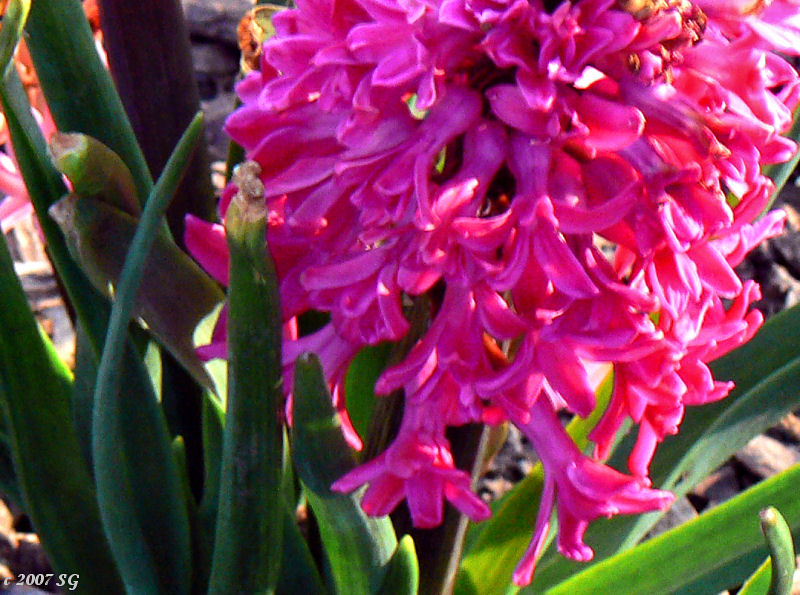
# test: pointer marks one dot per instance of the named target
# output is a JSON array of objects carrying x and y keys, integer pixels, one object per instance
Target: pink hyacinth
[{"x": 555, "y": 186}]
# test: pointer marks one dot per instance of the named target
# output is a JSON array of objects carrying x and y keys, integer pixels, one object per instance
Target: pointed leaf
[
  {"x": 357, "y": 547},
  {"x": 94, "y": 170},
  {"x": 35, "y": 389},
  {"x": 490, "y": 559},
  {"x": 78, "y": 88},
  {"x": 142, "y": 503},
  {"x": 99, "y": 235},
  {"x": 402, "y": 573},
  {"x": 703, "y": 548},
  {"x": 766, "y": 371}
]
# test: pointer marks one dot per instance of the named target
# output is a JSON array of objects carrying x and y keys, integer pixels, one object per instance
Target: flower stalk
[{"x": 247, "y": 552}]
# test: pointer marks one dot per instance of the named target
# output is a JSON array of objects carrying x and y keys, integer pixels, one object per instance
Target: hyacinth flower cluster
[{"x": 556, "y": 185}]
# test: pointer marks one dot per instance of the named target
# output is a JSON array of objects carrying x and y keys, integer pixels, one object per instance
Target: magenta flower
[{"x": 556, "y": 187}]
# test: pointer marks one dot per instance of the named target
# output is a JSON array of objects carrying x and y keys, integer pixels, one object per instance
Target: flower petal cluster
[{"x": 555, "y": 186}]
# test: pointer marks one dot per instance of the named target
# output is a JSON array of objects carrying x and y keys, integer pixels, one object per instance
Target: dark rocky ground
[{"x": 212, "y": 25}]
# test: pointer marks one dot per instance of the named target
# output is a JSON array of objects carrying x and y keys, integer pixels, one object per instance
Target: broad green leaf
[
  {"x": 362, "y": 374},
  {"x": 99, "y": 236},
  {"x": 133, "y": 34},
  {"x": 94, "y": 170},
  {"x": 298, "y": 573},
  {"x": 402, "y": 573},
  {"x": 758, "y": 582},
  {"x": 490, "y": 558},
  {"x": 35, "y": 390},
  {"x": 14, "y": 16},
  {"x": 766, "y": 371},
  {"x": 142, "y": 503},
  {"x": 697, "y": 552},
  {"x": 78, "y": 88},
  {"x": 249, "y": 526},
  {"x": 357, "y": 547},
  {"x": 45, "y": 187},
  {"x": 780, "y": 172}
]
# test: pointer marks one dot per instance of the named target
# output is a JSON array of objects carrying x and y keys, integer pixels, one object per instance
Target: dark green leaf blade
[
  {"x": 402, "y": 573},
  {"x": 141, "y": 499},
  {"x": 699, "y": 549},
  {"x": 767, "y": 375},
  {"x": 493, "y": 554},
  {"x": 357, "y": 547},
  {"x": 45, "y": 187},
  {"x": 35, "y": 390},
  {"x": 78, "y": 88}
]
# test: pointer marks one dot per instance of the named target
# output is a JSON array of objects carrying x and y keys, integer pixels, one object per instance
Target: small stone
[
  {"x": 764, "y": 456},
  {"x": 6, "y": 518},
  {"x": 492, "y": 489},
  {"x": 718, "y": 487},
  {"x": 680, "y": 512},
  {"x": 216, "y": 111},
  {"x": 215, "y": 19},
  {"x": 788, "y": 429},
  {"x": 29, "y": 555},
  {"x": 780, "y": 290}
]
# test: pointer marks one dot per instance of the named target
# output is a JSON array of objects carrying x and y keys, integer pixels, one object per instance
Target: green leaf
[
  {"x": 491, "y": 557},
  {"x": 82, "y": 403},
  {"x": 213, "y": 418},
  {"x": 781, "y": 550},
  {"x": 100, "y": 235},
  {"x": 697, "y": 553},
  {"x": 35, "y": 390},
  {"x": 780, "y": 172},
  {"x": 45, "y": 187},
  {"x": 758, "y": 583},
  {"x": 94, "y": 170},
  {"x": 357, "y": 547},
  {"x": 14, "y": 17},
  {"x": 249, "y": 526},
  {"x": 142, "y": 503},
  {"x": 78, "y": 88},
  {"x": 402, "y": 573},
  {"x": 766, "y": 371},
  {"x": 298, "y": 574},
  {"x": 133, "y": 33},
  {"x": 360, "y": 384}
]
